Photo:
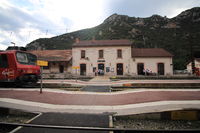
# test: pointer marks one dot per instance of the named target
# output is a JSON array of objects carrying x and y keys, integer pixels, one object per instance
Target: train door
[{"x": 3, "y": 66}]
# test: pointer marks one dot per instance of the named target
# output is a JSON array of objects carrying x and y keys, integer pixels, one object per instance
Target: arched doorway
[
  {"x": 161, "y": 69},
  {"x": 82, "y": 69},
  {"x": 120, "y": 69},
  {"x": 101, "y": 69}
]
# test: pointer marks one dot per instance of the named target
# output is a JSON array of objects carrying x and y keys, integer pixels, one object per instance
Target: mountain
[{"x": 179, "y": 35}]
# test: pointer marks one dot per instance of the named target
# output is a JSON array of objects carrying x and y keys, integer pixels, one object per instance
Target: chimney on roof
[{"x": 77, "y": 40}]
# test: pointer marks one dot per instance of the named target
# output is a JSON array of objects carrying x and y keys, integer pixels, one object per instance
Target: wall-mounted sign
[
  {"x": 100, "y": 60},
  {"x": 76, "y": 67},
  {"x": 107, "y": 69},
  {"x": 42, "y": 63}
]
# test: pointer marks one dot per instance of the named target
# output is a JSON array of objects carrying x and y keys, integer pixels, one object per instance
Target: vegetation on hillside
[{"x": 179, "y": 35}]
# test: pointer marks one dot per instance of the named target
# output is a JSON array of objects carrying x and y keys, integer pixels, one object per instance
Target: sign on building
[{"x": 42, "y": 63}]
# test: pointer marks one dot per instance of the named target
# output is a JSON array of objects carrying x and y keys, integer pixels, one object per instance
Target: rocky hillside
[{"x": 177, "y": 35}]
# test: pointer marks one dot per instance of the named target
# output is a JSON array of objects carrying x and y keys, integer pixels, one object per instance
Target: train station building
[
  {"x": 59, "y": 61},
  {"x": 107, "y": 57},
  {"x": 118, "y": 57}
]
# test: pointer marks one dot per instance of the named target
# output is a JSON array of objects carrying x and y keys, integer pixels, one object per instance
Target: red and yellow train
[{"x": 18, "y": 66}]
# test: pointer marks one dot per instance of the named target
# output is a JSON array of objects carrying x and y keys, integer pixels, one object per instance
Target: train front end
[
  {"x": 19, "y": 66},
  {"x": 27, "y": 69}
]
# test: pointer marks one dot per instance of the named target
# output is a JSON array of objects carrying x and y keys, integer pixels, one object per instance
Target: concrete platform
[
  {"x": 118, "y": 103},
  {"x": 121, "y": 83}
]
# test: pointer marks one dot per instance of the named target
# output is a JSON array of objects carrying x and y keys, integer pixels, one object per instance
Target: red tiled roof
[
  {"x": 96, "y": 43},
  {"x": 150, "y": 52},
  {"x": 53, "y": 55}
]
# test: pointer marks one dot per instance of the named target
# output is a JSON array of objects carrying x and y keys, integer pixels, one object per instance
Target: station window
[
  {"x": 119, "y": 53},
  {"x": 100, "y": 53},
  {"x": 82, "y": 53}
]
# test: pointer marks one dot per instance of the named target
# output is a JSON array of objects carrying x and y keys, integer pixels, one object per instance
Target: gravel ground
[
  {"x": 13, "y": 118},
  {"x": 16, "y": 118},
  {"x": 156, "y": 124}
]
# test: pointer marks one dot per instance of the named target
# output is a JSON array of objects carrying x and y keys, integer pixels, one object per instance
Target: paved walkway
[
  {"x": 99, "y": 81},
  {"x": 122, "y": 103},
  {"x": 100, "y": 88}
]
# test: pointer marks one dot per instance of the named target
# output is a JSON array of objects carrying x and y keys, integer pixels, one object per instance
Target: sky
[{"x": 22, "y": 21}]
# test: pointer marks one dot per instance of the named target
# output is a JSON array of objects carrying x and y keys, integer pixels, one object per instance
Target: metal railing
[{"x": 116, "y": 130}]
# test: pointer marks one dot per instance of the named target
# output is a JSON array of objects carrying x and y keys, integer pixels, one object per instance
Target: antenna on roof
[{"x": 13, "y": 43}]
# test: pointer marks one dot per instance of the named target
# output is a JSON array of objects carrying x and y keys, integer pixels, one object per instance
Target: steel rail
[{"x": 100, "y": 128}]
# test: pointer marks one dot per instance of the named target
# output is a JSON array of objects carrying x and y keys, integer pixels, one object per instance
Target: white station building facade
[{"x": 118, "y": 57}]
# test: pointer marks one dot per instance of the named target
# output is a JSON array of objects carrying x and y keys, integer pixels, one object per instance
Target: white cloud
[
  {"x": 28, "y": 20},
  {"x": 23, "y": 21},
  {"x": 81, "y": 13},
  {"x": 3, "y": 47}
]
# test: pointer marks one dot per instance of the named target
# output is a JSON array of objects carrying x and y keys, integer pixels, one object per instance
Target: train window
[
  {"x": 26, "y": 58},
  {"x": 22, "y": 58},
  {"x": 3, "y": 61},
  {"x": 32, "y": 59}
]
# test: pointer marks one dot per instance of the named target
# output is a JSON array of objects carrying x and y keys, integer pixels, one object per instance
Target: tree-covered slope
[{"x": 177, "y": 35}]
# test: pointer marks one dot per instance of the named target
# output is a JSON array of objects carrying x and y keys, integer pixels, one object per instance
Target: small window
[
  {"x": 119, "y": 53},
  {"x": 100, "y": 53},
  {"x": 82, "y": 53},
  {"x": 3, "y": 61}
]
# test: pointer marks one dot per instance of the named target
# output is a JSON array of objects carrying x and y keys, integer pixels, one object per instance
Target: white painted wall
[
  {"x": 110, "y": 57},
  {"x": 151, "y": 64},
  {"x": 189, "y": 66},
  {"x": 111, "y": 60},
  {"x": 54, "y": 68}
]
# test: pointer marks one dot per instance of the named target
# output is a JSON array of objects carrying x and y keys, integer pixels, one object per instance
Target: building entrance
[
  {"x": 161, "y": 69},
  {"x": 82, "y": 69},
  {"x": 119, "y": 69},
  {"x": 100, "y": 69},
  {"x": 61, "y": 68},
  {"x": 140, "y": 69}
]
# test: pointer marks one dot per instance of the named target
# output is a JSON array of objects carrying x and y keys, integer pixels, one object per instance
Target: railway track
[{"x": 13, "y": 85}]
